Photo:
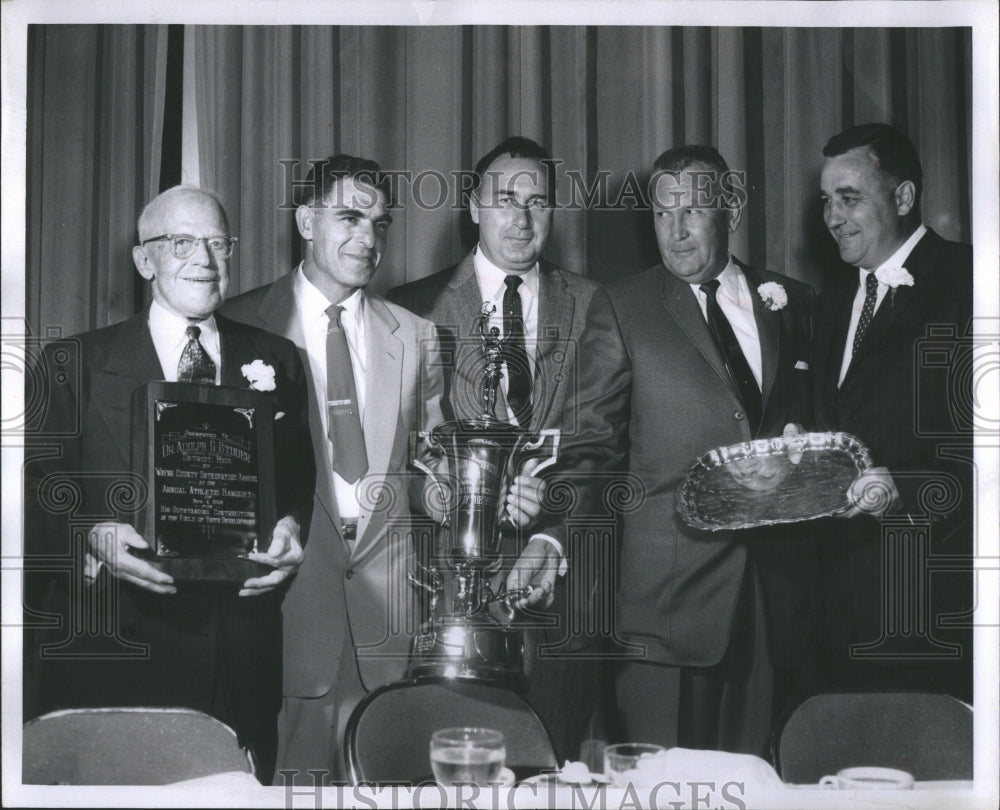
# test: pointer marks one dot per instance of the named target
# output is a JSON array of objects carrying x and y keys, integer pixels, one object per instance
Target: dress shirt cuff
[
  {"x": 91, "y": 567},
  {"x": 563, "y": 565}
]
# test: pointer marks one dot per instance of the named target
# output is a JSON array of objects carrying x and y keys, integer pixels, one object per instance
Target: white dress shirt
[
  {"x": 896, "y": 259},
  {"x": 312, "y": 306},
  {"x": 170, "y": 338},
  {"x": 736, "y": 302},
  {"x": 492, "y": 289}
]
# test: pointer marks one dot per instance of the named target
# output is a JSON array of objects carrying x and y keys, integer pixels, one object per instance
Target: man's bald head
[
  {"x": 158, "y": 209},
  {"x": 184, "y": 250}
]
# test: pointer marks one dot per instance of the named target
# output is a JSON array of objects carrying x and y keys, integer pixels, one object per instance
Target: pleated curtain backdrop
[
  {"x": 95, "y": 129},
  {"x": 433, "y": 99}
]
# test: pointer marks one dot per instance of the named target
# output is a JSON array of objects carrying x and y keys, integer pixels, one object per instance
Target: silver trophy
[{"x": 464, "y": 639}]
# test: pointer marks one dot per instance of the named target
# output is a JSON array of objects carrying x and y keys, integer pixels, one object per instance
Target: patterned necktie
[
  {"x": 350, "y": 458},
  {"x": 515, "y": 354},
  {"x": 732, "y": 354},
  {"x": 867, "y": 312},
  {"x": 195, "y": 365}
]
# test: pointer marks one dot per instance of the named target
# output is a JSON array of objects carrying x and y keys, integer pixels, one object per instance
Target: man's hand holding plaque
[
  {"x": 110, "y": 545},
  {"x": 284, "y": 554}
]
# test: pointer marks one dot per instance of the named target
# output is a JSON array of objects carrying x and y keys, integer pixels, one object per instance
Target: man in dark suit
[
  {"x": 902, "y": 286},
  {"x": 539, "y": 308},
  {"x": 697, "y": 352},
  {"x": 210, "y": 650},
  {"x": 350, "y": 613}
]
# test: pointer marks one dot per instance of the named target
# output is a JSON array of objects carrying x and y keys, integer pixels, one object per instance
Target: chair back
[
  {"x": 128, "y": 746},
  {"x": 927, "y": 735},
  {"x": 388, "y": 734}
]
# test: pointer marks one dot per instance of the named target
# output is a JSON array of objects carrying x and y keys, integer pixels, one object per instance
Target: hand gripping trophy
[{"x": 464, "y": 639}]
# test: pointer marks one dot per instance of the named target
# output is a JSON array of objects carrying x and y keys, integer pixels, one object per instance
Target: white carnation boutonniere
[
  {"x": 260, "y": 375},
  {"x": 773, "y": 295},
  {"x": 894, "y": 276}
]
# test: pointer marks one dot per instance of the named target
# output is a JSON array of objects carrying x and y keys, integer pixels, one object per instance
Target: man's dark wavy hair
[
  {"x": 517, "y": 146},
  {"x": 894, "y": 152},
  {"x": 325, "y": 173}
]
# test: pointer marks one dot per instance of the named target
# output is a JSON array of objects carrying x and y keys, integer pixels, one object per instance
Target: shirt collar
[
  {"x": 313, "y": 304},
  {"x": 491, "y": 278},
  {"x": 730, "y": 279},
  {"x": 168, "y": 326},
  {"x": 898, "y": 258}
]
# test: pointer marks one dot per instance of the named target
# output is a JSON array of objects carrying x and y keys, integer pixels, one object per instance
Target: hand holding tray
[{"x": 767, "y": 481}]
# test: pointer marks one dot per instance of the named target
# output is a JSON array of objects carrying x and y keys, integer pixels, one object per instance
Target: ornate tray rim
[{"x": 756, "y": 448}]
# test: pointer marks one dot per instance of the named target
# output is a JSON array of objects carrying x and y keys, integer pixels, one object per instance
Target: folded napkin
[{"x": 693, "y": 765}]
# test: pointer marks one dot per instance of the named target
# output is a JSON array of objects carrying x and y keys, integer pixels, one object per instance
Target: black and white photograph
[{"x": 532, "y": 404}]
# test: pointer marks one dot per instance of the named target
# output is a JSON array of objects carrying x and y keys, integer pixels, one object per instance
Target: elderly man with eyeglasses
[{"x": 214, "y": 651}]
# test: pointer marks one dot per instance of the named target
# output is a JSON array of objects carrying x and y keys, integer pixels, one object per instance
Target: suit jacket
[
  {"x": 654, "y": 396},
  {"x": 452, "y": 299},
  {"x": 195, "y": 639},
  {"x": 362, "y": 590},
  {"x": 907, "y": 396},
  {"x": 892, "y": 398}
]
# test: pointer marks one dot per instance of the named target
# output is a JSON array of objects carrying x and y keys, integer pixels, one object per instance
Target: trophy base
[
  {"x": 193, "y": 572},
  {"x": 465, "y": 648}
]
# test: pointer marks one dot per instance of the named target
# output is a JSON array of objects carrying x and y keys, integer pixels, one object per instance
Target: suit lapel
[
  {"x": 466, "y": 303},
  {"x": 131, "y": 362},
  {"x": 841, "y": 301},
  {"x": 682, "y": 305},
  {"x": 556, "y": 306},
  {"x": 382, "y": 401},
  {"x": 233, "y": 355},
  {"x": 768, "y": 334},
  {"x": 278, "y": 313}
]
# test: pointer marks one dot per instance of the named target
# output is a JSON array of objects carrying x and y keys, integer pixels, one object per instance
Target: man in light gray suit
[
  {"x": 539, "y": 309},
  {"x": 349, "y": 614}
]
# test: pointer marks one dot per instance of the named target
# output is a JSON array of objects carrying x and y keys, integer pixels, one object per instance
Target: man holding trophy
[
  {"x": 163, "y": 642},
  {"x": 537, "y": 311}
]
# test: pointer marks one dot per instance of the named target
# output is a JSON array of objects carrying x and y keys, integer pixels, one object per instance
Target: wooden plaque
[{"x": 207, "y": 455}]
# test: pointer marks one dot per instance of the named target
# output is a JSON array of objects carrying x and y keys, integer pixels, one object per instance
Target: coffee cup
[{"x": 869, "y": 778}]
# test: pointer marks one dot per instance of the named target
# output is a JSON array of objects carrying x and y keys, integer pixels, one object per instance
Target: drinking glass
[
  {"x": 632, "y": 763},
  {"x": 467, "y": 756}
]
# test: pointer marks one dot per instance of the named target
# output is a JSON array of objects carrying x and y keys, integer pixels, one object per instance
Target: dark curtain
[
  {"x": 95, "y": 127},
  {"x": 603, "y": 99}
]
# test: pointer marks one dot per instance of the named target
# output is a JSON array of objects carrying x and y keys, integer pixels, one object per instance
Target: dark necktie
[
  {"x": 736, "y": 362},
  {"x": 867, "y": 312},
  {"x": 515, "y": 354},
  {"x": 195, "y": 365},
  {"x": 350, "y": 459}
]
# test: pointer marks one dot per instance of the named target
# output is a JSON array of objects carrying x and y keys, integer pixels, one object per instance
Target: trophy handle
[
  {"x": 416, "y": 436},
  {"x": 528, "y": 447}
]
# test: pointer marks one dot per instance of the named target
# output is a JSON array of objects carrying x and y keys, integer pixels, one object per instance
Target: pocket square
[
  {"x": 801, "y": 365},
  {"x": 279, "y": 414}
]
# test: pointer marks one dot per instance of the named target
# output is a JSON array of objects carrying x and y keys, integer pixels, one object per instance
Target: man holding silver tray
[
  {"x": 894, "y": 367},
  {"x": 697, "y": 352}
]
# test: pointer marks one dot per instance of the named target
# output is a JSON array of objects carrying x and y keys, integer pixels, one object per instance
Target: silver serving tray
[{"x": 768, "y": 481}]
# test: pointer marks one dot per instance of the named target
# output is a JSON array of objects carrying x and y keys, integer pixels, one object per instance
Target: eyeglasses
[{"x": 183, "y": 245}]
